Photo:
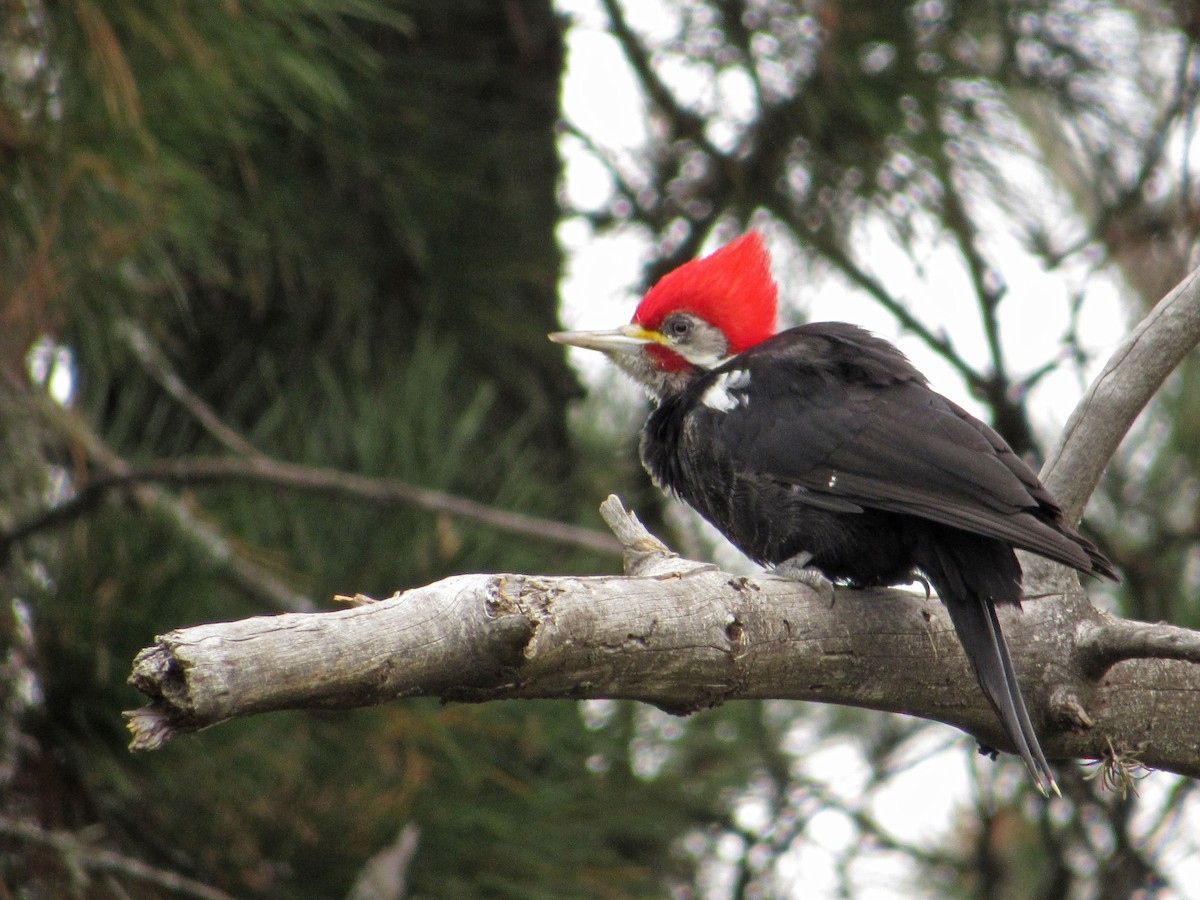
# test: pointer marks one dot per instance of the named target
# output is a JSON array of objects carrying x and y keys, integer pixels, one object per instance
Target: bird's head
[{"x": 704, "y": 312}]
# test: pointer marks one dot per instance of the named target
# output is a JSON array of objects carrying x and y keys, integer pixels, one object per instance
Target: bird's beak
[{"x": 624, "y": 340}]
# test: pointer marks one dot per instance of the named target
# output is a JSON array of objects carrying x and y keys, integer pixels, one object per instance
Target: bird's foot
[{"x": 797, "y": 569}]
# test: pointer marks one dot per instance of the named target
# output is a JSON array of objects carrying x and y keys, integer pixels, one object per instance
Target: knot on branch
[{"x": 1068, "y": 710}]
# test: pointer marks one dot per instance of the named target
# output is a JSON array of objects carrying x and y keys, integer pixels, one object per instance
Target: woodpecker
[{"x": 821, "y": 449}]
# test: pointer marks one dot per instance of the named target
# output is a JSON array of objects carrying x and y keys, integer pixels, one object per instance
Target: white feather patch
[{"x": 728, "y": 391}]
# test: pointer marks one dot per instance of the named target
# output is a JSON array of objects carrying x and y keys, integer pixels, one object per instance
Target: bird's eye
[{"x": 678, "y": 327}]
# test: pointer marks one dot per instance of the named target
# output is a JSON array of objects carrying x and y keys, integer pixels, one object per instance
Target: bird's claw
[
  {"x": 795, "y": 569},
  {"x": 923, "y": 582}
]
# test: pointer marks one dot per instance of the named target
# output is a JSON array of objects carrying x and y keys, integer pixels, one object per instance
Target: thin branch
[
  {"x": 686, "y": 123},
  {"x": 77, "y": 853},
  {"x": 939, "y": 344},
  {"x": 1133, "y": 374},
  {"x": 257, "y": 466},
  {"x": 384, "y": 492},
  {"x": 958, "y": 221},
  {"x": 1031, "y": 380},
  {"x": 621, "y": 184},
  {"x": 155, "y": 362},
  {"x": 389, "y": 492},
  {"x": 1009, "y": 416},
  {"x": 200, "y": 534}
]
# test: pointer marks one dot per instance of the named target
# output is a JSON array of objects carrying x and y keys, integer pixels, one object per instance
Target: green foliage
[{"x": 336, "y": 219}]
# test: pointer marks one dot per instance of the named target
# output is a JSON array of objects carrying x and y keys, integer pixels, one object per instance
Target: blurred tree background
[{"x": 326, "y": 232}]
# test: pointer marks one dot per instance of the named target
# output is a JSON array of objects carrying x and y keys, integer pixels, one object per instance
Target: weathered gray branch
[
  {"x": 677, "y": 634},
  {"x": 1134, "y": 372}
]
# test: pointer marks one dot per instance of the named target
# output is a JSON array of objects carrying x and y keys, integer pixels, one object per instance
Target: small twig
[
  {"x": 155, "y": 362},
  {"x": 77, "y": 853},
  {"x": 642, "y": 550}
]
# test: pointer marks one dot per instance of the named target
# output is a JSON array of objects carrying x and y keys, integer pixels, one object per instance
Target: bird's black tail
[{"x": 971, "y": 574}]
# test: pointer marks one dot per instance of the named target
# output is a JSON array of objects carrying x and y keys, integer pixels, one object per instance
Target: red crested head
[{"x": 730, "y": 289}]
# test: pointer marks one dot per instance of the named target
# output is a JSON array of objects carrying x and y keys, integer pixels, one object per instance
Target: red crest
[{"x": 731, "y": 289}]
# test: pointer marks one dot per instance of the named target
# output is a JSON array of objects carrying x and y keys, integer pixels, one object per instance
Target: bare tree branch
[
  {"x": 388, "y": 492},
  {"x": 678, "y": 634},
  {"x": 260, "y": 469},
  {"x": 1134, "y": 372},
  {"x": 78, "y": 854},
  {"x": 199, "y": 533},
  {"x": 155, "y": 362},
  {"x": 252, "y": 464}
]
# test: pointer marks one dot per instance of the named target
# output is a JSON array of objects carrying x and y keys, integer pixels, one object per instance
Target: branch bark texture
[{"x": 682, "y": 636}]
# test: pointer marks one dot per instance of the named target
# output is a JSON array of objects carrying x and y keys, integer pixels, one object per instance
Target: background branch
[
  {"x": 385, "y": 492},
  {"x": 77, "y": 853},
  {"x": 251, "y": 464},
  {"x": 155, "y": 362},
  {"x": 198, "y": 533}
]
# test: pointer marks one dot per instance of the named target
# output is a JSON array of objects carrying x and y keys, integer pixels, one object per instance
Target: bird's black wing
[
  {"x": 837, "y": 421},
  {"x": 846, "y": 417}
]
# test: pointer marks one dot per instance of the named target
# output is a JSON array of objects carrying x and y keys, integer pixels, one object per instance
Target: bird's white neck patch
[{"x": 728, "y": 391}]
